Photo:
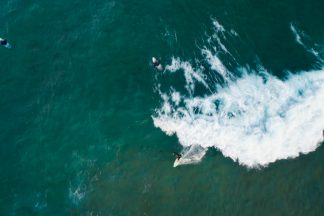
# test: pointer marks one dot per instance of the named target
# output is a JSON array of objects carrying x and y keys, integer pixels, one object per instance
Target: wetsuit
[
  {"x": 156, "y": 63},
  {"x": 3, "y": 42},
  {"x": 178, "y": 156}
]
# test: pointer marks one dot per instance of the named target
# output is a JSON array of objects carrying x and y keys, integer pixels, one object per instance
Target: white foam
[
  {"x": 256, "y": 122},
  {"x": 218, "y": 41},
  {"x": 218, "y": 26},
  {"x": 176, "y": 98},
  {"x": 76, "y": 194},
  {"x": 251, "y": 119},
  {"x": 298, "y": 36},
  {"x": 191, "y": 75},
  {"x": 219, "y": 33},
  {"x": 233, "y": 32},
  {"x": 215, "y": 63}
]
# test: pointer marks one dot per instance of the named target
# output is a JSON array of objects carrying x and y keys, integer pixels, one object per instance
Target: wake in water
[
  {"x": 252, "y": 119},
  {"x": 190, "y": 155}
]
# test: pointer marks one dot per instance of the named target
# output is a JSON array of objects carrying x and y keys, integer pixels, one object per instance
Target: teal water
[{"x": 78, "y": 94}]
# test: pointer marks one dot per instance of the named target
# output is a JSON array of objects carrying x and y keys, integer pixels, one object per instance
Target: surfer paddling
[
  {"x": 4, "y": 43},
  {"x": 178, "y": 156},
  {"x": 157, "y": 64}
]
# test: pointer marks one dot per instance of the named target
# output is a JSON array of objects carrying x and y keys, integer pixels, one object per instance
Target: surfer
[
  {"x": 4, "y": 43},
  {"x": 157, "y": 64},
  {"x": 178, "y": 156}
]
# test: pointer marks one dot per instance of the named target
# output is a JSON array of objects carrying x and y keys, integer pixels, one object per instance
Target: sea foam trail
[{"x": 252, "y": 119}]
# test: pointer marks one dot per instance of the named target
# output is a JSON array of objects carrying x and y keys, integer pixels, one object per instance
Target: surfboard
[
  {"x": 8, "y": 46},
  {"x": 176, "y": 163}
]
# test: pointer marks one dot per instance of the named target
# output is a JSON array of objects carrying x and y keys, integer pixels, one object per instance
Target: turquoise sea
[{"x": 88, "y": 125}]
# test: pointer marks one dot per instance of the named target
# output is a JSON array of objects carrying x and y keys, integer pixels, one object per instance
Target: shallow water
[{"x": 79, "y": 100}]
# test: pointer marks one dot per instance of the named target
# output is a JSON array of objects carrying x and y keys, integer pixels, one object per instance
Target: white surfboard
[{"x": 176, "y": 163}]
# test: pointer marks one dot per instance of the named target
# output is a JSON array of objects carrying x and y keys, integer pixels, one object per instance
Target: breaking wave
[{"x": 253, "y": 119}]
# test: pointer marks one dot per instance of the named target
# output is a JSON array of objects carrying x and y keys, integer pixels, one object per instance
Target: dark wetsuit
[
  {"x": 156, "y": 64},
  {"x": 4, "y": 42},
  {"x": 178, "y": 156}
]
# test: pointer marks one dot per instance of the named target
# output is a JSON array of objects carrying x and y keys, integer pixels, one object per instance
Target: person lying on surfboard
[
  {"x": 157, "y": 64},
  {"x": 4, "y": 43},
  {"x": 178, "y": 156}
]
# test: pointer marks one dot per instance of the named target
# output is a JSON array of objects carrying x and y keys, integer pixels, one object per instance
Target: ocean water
[{"x": 88, "y": 126}]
